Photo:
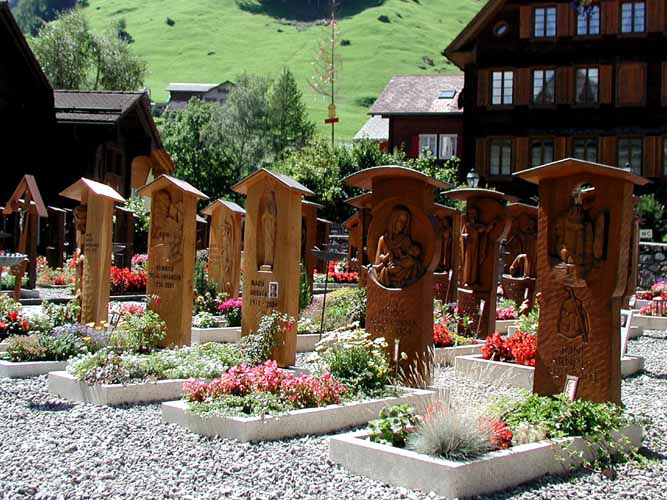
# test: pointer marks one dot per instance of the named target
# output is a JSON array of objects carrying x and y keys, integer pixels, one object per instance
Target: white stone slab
[
  {"x": 490, "y": 473},
  {"x": 445, "y": 356},
  {"x": 296, "y": 423},
  {"x": 520, "y": 376},
  {"x": 307, "y": 342},
  {"x": 69, "y": 387},
  {"x": 650, "y": 322},
  {"x": 502, "y": 325},
  {"x": 228, "y": 334},
  {"x": 3, "y": 346},
  {"x": 23, "y": 369}
]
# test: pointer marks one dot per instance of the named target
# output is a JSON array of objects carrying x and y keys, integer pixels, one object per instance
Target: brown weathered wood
[
  {"x": 309, "y": 237},
  {"x": 448, "y": 228},
  {"x": 171, "y": 253},
  {"x": 582, "y": 257}
]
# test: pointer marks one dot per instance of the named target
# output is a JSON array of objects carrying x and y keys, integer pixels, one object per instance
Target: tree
[
  {"x": 31, "y": 15},
  {"x": 290, "y": 126},
  {"x": 74, "y": 57}
]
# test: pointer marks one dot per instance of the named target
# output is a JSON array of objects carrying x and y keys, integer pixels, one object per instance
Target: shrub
[
  {"x": 348, "y": 305},
  {"x": 305, "y": 293},
  {"x": 528, "y": 322},
  {"x": 26, "y": 348},
  {"x": 62, "y": 314},
  {"x": 257, "y": 346},
  {"x": 231, "y": 310},
  {"x": 204, "y": 320},
  {"x": 520, "y": 348},
  {"x": 13, "y": 323},
  {"x": 495, "y": 348},
  {"x": 62, "y": 345},
  {"x": 393, "y": 425},
  {"x": 139, "y": 333},
  {"x": 383, "y": 19},
  {"x": 170, "y": 21}
]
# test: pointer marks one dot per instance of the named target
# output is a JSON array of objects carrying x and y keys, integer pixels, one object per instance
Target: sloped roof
[
  {"x": 79, "y": 190},
  {"x": 376, "y": 128},
  {"x": 420, "y": 95},
  {"x": 191, "y": 87},
  {"x": 364, "y": 178},
  {"x": 92, "y": 106},
  {"x": 230, "y": 205},
  {"x": 164, "y": 180},
  {"x": 572, "y": 166},
  {"x": 241, "y": 187}
]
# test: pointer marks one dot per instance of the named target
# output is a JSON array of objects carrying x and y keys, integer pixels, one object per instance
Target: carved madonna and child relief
[
  {"x": 476, "y": 241},
  {"x": 398, "y": 260},
  {"x": 578, "y": 244},
  {"x": 167, "y": 226},
  {"x": 266, "y": 231}
]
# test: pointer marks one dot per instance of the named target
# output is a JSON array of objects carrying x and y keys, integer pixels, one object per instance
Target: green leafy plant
[
  {"x": 393, "y": 425},
  {"x": 305, "y": 293},
  {"x": 26, "y": 348},
  {"x": 139, "y": 333},
  {"x": 62, "y": 314},
  {"x": 204, "y": 320},
  {"x": 258, "y": 345},
  {"x": 528, "y": 322}
]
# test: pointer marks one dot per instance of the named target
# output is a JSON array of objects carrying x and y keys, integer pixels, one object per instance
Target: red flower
[
  {"x": 24, "y": 325},
  {"x": 501, "y": 435},
  {"x": 12, "y": 315},
  {"x": 441, "y": 336},
  {"x": 495, "y": 349},
  {"x": 3, "y": 325}
]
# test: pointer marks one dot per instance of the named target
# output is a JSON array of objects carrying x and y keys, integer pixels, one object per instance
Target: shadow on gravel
[
  {"x": 537, "y": 483},
  {"x": 50, "y": 406},
  {"x": 651, "y": 455},
  {"x": 650, "y": 374}
]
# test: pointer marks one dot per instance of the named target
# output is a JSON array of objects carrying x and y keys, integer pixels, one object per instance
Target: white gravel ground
[{"x": 52, "y": 449}]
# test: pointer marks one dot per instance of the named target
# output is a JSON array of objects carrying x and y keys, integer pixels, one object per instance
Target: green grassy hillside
[{"x": 215, "y": 40}]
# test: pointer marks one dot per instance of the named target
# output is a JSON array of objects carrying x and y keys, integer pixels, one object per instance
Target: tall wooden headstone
[
  {"x": 224, "y": 245},
  {"x": 403, "y": 252},
  {"x": 98, "y": 200},
  {"x": 27, "y": 200},
  {"x": 272, "y": 244},
  {"x": 446, "y": 274},
  {"x": 171, "y": 253},
  {"x": 520, "y": 273},
  {"x": 309, "y": 237},
  {"x": 582, "y": 263},
  {"x": 483, "y": 225}
]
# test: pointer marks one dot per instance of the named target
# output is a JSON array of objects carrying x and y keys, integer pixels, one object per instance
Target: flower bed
[
  {"x": 445, "y": 356},
  {"x": 649, "y": 322},
  {"x": 125, "y": 280},
  {"x": 520, "y": 376},
  {"x": 493, "y": 472},
  {"x": 308, "y": 421},
  {"x": 519, "y": 348}
]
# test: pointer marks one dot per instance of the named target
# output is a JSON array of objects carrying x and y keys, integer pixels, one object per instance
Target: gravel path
[{"x": 52, "y": 450}]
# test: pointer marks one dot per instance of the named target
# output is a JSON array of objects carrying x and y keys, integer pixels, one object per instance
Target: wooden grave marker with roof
[
  {"x": 26, "y": 200},
  {"x": 357, "y": 225},
  {"x": 309, "y": 237},
  {"x": 520, "y": 271},
  {"x": 98, "y": 200},
  {"x": 171, "y": 253},
  {"x": 483, "y": 225},
  {"x": 272, "y": 245},
  {"x": 446, "y": 273},
  {"x": 224, "y": 245},
  {"x": 403, "y": 251},
  {"x": 583, "y": 251}
]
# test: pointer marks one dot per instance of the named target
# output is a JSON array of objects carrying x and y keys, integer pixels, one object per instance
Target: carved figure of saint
[
  {"x": 267, "y": 230},
  {"x": 572, "y": 319},
  {"x": 167, "y": 226},
  {"x": 398, "y": 257},
  {"x": 226, "y": 251},
  {"x": 474, "y": 245},
  {"x": 446, "y": 244}
]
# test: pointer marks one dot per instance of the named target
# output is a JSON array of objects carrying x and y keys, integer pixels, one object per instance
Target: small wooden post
[
  {"x": 98, "y": 200},
  {"x": 171, "y": 253}
]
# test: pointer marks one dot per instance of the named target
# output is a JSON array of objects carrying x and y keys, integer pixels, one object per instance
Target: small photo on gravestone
[{"x": 273, "y": 289}]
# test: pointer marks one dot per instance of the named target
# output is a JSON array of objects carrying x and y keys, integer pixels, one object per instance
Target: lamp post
[{"x": 472, "y": 178}]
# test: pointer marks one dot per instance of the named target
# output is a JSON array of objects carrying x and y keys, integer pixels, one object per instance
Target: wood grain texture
[{"x": 224, "y": 249}]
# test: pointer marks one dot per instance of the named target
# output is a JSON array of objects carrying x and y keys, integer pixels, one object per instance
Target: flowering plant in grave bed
[
  {"x": 231, "y": 310},
  {"x": 519, "y": 348},
  {"x": 443, "y": 336}
]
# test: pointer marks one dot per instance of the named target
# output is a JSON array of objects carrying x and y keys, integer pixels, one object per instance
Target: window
[
  {"x": 545, "y": 22},
  {"x": 633, "y": 17},
  {"x": 502, "y": 89},
  {"x": 541, "y": 152},
  {"x": 428, "y": 142},
  {"x": 587, "y": 91},
  {"x": 544, "y": 86},
  {"x": 500, "y": 157},
  {"x": 447, "y": 146},
  {"x": 630, "y": 154},
  {"x": 588, "y": 20},
  {"x": 586, "y": 148}
]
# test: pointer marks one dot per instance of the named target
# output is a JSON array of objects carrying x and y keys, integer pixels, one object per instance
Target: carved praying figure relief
[
  {"x": 266, "y": 237},
  {"x": 573, "y": 320},
  {"x": 167, "y": 225},
  {"x": 398, "y": 258},
  {"x": 474, "y": 245},
  {"x": 446, "y": 244}
]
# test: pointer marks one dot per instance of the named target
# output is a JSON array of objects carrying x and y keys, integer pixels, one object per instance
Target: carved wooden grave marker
[
  {"x": 27, "y": 200},
  {"x": 582, "y": 260},
  {"x": 448, "y": 224},
  {"x": 309, "y": 237},
  {"x": 520, "y": 273},
  {"x": 403, "y": 251},
  {"x": 272, "y": 245},
  {"x": 483, "y": 225},
  {"x": 224, "y": 247},
  {"x": 97, "y": 203},
  {"x": 171, "y": 253}
]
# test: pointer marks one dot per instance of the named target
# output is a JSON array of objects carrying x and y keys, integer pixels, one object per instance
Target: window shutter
[
  {"x": 655, "y": 15},
  {"x": 414, "y": 146},
  {"x": 523, "y": 86},
  {"x": 560, "y": 148},
  {"x": 565, "y": 85},
  {"x": 631, "y": 84},
  {"x": 610, "y": 16},
  {"x": 663, "y": 75},
  {"x": 651, "y": 156},
  {"x": 481, "y": 158},
  {"x": 526, "y": 22},
  {"x": 520, "y": 147},
  {"x": 563, "y": 19},
  {"x": 605, "y": 84},
  {"x": 608, "y": 151},
  {"x": 483, "y": 87}
]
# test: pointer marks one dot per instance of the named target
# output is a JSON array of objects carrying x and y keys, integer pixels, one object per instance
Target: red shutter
[
  {"x": 651, "y": 167},
  {"x": 563, "y": 21},
  {"x": 655, "y": 15},
  {"x": 605, "y": 84},
  {"x": 526, "y": 22},
  {"x": 521, "y": 161},
  {"x": 560, "y": 148},
  {"x": 565, "y": 85},
  {"x": 481, "y": 161},
  {"x": 608, "y": 153},
  {"x": 663, "y": 75},
  {"x": 610, "y": 16},
  {"x": 631, "y": 84},
  {"x": 483, "y": 87},
  {"x": 414, "y": 146},
  {"x": 523, "y": 86}
]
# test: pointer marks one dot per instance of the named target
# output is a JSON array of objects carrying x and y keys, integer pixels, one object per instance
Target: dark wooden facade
[
  {"x": 404, "y": 131},
  {"x": 606, "y": 100}
]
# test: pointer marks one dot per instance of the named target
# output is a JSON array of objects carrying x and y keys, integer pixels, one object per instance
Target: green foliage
[
  {"x": 252, "y": 404},
  {"x": 528, "y": 322},
  {"x": 31, "y": 15},
  {"x": 201, "y": 283},
  {"x": 62, "y": 347},
  {"x": 26, "y": 348},
  {"x": 347, "y": 305},
  {"x": 305, "y": 293},
  {"x": 139, "y": 333},
  {"x": 393, "y": 425},
  {"x": 61, "y": 314},
  {"x": 257, "y": 346},
  {"x": 651, "y": 214},
  {"x": 75, "y": 57},
  {"x": 204, "y": 320}
]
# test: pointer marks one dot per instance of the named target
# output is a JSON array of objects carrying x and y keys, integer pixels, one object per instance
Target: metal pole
[{"x": 326, "y": 286}]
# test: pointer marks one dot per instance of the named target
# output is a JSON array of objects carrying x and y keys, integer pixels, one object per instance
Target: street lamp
[
  {"x": 472, "y": 178},
  {"x": 627, "y": 167}
]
